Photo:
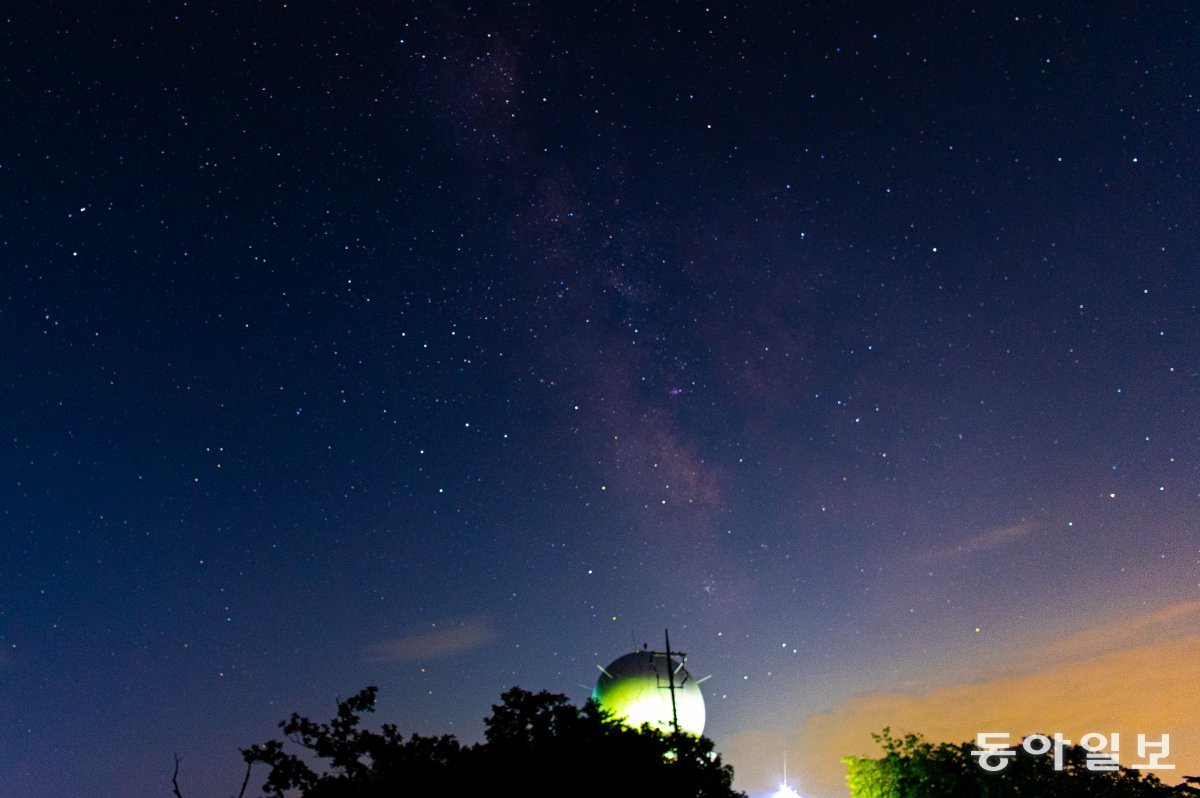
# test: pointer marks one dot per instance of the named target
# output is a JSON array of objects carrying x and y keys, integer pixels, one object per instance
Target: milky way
[{"x": 449, "y": 350}]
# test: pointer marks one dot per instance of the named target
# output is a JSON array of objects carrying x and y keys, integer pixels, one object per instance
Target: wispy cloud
[
  {"x": 441, "y": 641},
  {"x": 995, "y": 538},
  {"x": 988, "y": 540},
  {"x": 1135, "y": 685},
  {"x": 1164, "y": 623}
]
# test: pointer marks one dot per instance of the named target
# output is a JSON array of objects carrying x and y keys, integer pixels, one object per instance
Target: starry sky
[{"x": 452, "y": 347}]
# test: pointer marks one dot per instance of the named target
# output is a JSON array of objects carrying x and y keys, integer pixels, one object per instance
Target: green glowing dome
[{"x": 635, "y": 689}]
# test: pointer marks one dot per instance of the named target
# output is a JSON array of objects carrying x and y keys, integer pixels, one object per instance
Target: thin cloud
[
  {"x": 446, "y": 640},
  {"x": 988, "y": 540},
  {"x": 995, "y": 538},
  {"x": 1164, "y": 623}
]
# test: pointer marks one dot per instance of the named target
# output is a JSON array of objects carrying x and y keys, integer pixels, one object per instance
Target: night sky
[{"x": 449, "y": 348}]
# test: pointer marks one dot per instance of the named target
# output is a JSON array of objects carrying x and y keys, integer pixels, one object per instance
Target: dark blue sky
[{"x": 447, "y": 348}]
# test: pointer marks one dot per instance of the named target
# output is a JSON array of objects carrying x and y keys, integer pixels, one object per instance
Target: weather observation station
[{"x": 652, "y": 687}]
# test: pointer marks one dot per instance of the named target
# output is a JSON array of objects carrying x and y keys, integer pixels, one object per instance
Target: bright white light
[{"x": 785, "y": 791}]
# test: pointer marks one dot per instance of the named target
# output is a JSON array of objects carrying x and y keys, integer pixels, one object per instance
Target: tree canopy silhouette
[
  {"x": 912, "y": 767},
  {"x": 535, "y": 744}
]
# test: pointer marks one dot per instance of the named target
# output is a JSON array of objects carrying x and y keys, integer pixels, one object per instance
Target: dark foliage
[
  {"x": 537, "y": 744},
  {"x": 912, "y": 767}
]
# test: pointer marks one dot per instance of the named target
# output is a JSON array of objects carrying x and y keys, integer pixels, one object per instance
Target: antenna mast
[{"x": 671, "y": 678}]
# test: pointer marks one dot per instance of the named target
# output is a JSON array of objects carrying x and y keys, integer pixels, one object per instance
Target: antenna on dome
[{"x": 671, "y": 677}]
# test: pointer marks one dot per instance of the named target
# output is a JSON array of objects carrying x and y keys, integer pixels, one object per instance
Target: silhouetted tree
[
  {"x": 535, "y": 744},
  {"x": 360, "y": 762},
  {"x": 912, "y": 767},
  {"x": 543, "y": 744}
]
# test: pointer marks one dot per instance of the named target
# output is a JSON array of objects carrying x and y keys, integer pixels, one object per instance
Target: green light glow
[{"x": 634, "y": 688}]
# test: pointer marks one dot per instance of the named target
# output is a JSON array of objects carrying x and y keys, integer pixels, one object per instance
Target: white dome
[{"x": 635, "y": 688}]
